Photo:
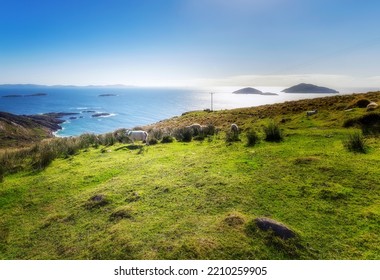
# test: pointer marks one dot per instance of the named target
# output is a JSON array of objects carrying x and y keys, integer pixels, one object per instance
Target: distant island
[
  {"x": 100, "y": 115},
  {"x": 107, "y": 94},
  {"x": 250, "y": 90},
  {"x": 36, "y": 94},
  {"x": 26, "y": 95},
  {"x": 12, "y": 95},
  {"x": 309, "y": 88}
]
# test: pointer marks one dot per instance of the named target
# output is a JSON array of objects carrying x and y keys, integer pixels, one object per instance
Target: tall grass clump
[
  {"x": 356, "y": 143},
  {"x": 44, "y": 155},
  {"x": 252, "y": 138},
  {"x": 273, "y": 132},
  {"x": 107, "y": 139},
  {"x": 14, "y": 160}
]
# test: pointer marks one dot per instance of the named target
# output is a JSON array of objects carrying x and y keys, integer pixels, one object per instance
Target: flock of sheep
[
  {"x": 197, "y": 129},
  {"x": 194, "y": 129}
]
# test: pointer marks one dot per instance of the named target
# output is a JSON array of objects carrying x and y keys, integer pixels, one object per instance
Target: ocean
[{"x": 105, "y": 109}]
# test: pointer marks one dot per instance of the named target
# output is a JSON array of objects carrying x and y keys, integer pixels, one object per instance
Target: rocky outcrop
[
  {"x": 279, "y": 229},
  {"x": 97, "y": 115}
]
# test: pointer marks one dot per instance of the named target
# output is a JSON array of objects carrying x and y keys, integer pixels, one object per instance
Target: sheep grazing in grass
[
  {"x": 310, "y": 113},
  {"x": 234, "y": 129},
  {"x": 137, "y": 135},
  {"x": 196, "y": 129},
  {"x": 372, "y": 106}
]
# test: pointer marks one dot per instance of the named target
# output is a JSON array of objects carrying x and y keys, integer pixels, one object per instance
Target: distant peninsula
[
  {"x": 250, "y": 90},
  {"x": 308, "y": 88}
]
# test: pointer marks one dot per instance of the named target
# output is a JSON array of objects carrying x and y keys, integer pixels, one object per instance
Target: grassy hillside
[{"x": 198, "y": 199}]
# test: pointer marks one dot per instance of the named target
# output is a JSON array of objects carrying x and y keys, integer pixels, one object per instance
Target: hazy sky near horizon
[{"x": 190, "y": 42}]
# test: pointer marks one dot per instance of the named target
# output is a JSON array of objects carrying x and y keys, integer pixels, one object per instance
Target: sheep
[
  {"x": 138, "y": 135},
  {"x": 234, "y": 129},
  {"x": 196, "y": 129},
  {"x": 372, "y": 106},
  {"x": 310, "y": 113}
]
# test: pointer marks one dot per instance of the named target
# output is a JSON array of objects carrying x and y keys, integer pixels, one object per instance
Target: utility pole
[{"x": 212, "y": 101}]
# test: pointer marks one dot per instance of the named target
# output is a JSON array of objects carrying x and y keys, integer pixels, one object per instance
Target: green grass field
[{"x": 198, "y": 200}]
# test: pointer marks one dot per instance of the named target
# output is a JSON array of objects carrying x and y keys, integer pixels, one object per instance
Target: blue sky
[{"x": 190, "y": 42}]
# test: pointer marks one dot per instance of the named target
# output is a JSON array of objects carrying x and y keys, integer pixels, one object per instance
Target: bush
[
  {"x": 232, "y": 137},
  {"x": 183, "y": 134},
  {"x": 152, "y": 141},
  {"x": 273, "y": 133},
  {"x": 187, "y": 135},
  {"x": 107, "y": 139},
  {"x": 252, "y": 138},
  {"x": 120, "y": 135},
  {"x": 369, "y": 123},
  {"x": 44, "y": 156},
  {"x": 167, "y": 139},
  {"x": 209, "y": 129},
  {"x": 356, "y": 143},
  {"x": 359, "y": 103},
  {"x": 156, "y": 133}
]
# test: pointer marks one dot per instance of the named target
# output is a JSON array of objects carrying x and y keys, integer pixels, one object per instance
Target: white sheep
[{"x": 310, "y": 113}]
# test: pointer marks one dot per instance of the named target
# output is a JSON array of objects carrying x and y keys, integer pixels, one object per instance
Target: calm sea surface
[{"x": 129, "y": 107}]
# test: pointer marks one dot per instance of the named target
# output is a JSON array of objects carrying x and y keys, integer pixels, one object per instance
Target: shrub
[
  {"x": 107, "y": 139},
  {"x": 183, "y": 134},
  {"x": 156, "y": 133},
  {"x": 356, "y": 143},
  {"x": 44, "y": 156},
  {"x": 359, "y": 103},
  {"x": 187, "y": 135},
  {"x": 120, "y": 135},
  {"x": 167, "y": 139},
  {"x": 273, "y": 133},
  {"x": 209, "y": 129},
  {"x": 252, "y": 138},
  {"x": 152, "y": 141},
  {"x": 369, "y": 123},
  {"x": 232, "y": 137}
]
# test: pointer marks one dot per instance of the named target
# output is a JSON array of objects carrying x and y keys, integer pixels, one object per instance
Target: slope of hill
[{"x": 200, "y": 199}]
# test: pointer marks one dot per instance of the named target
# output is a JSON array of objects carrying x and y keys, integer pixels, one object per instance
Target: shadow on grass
[{"x": 130, "y": 147}]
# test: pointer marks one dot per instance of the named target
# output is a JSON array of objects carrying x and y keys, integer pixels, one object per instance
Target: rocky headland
[{"x": 20, "y": 130}]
